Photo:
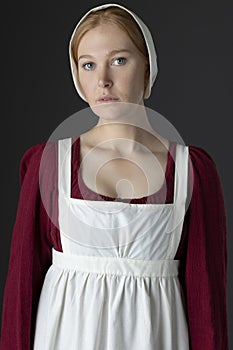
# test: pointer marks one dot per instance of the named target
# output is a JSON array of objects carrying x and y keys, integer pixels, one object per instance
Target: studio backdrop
[{"x": 193, "y": 89}]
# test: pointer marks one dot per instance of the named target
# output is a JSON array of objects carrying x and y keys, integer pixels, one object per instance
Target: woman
[{"x": 145, "y": 272}]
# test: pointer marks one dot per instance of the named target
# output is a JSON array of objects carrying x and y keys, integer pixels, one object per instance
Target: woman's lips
[{"x": 107, "y": 99}]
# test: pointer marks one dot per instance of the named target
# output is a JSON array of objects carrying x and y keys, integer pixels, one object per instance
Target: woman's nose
[{"x": 104, "y": 79}]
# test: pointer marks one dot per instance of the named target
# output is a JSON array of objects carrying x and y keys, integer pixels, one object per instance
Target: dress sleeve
[
  {"x": 206, "y": 257},
  {"x": 30, "y": 258}
]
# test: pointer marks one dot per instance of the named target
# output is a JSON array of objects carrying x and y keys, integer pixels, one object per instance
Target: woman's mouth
[{"x": 107, "y": 99}]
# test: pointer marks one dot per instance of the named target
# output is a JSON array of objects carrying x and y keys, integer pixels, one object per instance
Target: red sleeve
[
  {"x": 206, "y": 259},
  {"x": 30, "y": 258}
]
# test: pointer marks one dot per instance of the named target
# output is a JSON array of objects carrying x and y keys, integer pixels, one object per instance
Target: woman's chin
[{"x": 114, "y": 110}]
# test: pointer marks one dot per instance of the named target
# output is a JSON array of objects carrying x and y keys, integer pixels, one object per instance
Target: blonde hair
[{"x": 111, "y": 15}]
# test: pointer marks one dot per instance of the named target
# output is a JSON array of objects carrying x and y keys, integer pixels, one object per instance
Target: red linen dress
[{"x": 202, "y": 249}]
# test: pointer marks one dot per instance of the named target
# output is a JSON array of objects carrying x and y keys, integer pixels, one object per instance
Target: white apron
[{"x": 115, "y": 286}]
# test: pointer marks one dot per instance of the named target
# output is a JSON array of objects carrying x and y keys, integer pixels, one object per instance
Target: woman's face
[{"x": 111, "y": 69}]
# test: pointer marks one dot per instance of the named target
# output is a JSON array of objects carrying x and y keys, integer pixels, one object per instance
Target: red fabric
[{"x": 202, "y": 250}]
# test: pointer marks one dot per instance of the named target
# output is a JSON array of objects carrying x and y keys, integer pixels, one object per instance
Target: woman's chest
[{"x": 127, "y": 176}]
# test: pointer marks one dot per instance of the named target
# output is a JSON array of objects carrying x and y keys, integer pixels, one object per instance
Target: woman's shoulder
[
  {"x": 34, "y": 155},
  {"x": 203, "y": 163},
  {"x": 201, "y": 155},
  {"x": 199, "y": 151},
  {"x": 36, "y": 151},
  {"x": 33, "y": 151}
]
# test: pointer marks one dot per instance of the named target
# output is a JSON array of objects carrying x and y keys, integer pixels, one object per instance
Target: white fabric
[
  {"x": 149, "y": 43},
  {"x": 115, "y": 286}
]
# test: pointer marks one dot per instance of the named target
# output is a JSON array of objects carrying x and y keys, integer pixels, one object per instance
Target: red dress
[{"x": 202, "y": 250}]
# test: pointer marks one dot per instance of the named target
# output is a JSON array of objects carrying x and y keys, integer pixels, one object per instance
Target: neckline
[{"x": 78, "y": 182}]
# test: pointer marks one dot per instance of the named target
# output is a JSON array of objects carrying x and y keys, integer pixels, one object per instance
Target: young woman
[{"x": 120, "y": 235}]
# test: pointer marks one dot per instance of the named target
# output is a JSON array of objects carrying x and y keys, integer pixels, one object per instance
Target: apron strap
[
  {"x": 64, "y": 166},
  {"x": 181, "y": 173},
  {"x": 175, "y": 223}
]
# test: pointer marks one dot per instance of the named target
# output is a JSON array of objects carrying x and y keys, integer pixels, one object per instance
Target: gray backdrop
[{"x": 193, "y": 88}]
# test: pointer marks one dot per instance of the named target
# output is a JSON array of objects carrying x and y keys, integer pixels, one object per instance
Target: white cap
[{"x": 149, "y": 43}]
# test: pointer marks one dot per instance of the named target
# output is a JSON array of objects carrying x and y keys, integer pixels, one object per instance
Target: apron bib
[{"x": 115, "y": 285}]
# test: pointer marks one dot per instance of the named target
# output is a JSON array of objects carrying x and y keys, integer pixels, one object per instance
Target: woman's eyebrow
[
  {"x": 85, "y": 56},
  {"x": 113, "y": 52},
  {"x": 118, "y": 51}
]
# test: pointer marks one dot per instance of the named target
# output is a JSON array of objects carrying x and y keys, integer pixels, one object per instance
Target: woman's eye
[
  {"x": 119, "y": 61},
  {"x": 88, "y": 66}
]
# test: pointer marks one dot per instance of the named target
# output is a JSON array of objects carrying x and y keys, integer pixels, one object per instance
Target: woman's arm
[
  {"x": 206, "y": 259},
  {"x": 30, "y": 258}
]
